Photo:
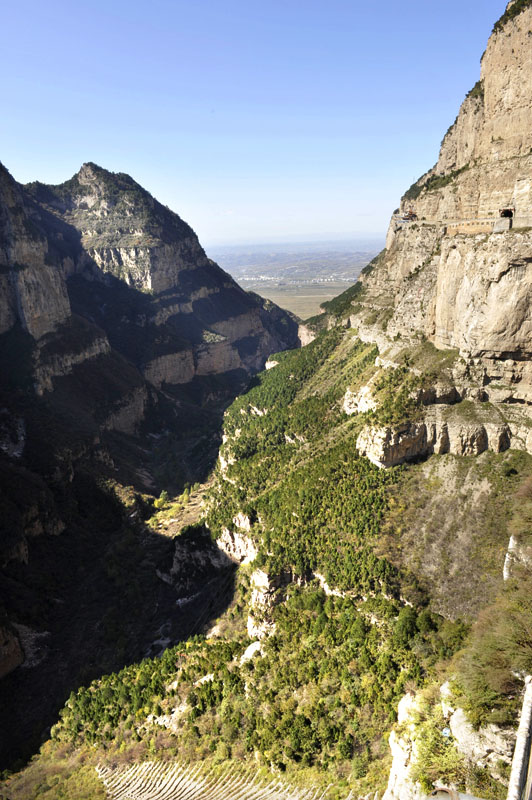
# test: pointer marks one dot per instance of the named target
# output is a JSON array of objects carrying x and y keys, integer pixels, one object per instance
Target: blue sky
[{"x": 255, "y": 121}]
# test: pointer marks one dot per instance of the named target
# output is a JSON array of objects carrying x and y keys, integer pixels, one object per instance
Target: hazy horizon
[{"x": 343, "y": 241}]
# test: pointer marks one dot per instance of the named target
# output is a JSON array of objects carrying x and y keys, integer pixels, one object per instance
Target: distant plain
[
  {"x": 303, "y": 299},
  {"x": 297, "y": 276}
]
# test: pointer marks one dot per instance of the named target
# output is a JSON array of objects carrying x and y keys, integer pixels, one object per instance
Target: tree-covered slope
[{"x": 349, "y": 615}]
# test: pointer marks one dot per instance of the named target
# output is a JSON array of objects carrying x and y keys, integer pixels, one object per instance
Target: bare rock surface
[
  {"x": 400, "y": 784},
  {"x": 457, "y": 272},
  {"x": 487, "y": 747},
  {"x": 236, "y": 544}
]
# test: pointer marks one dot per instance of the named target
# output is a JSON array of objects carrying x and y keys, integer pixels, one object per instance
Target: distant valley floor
[
  {"x": 303, "y": 299},
  {"x": 297, "y": 276}
]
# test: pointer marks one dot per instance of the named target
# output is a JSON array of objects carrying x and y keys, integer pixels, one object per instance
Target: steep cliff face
[
  {"x": 111, "y": 299},
  {"x": 32, "y": 291},
  {"x": 100, "y": 246},
  {"x": 457, "y": 266},
  {"x": 111, "y": 312}
]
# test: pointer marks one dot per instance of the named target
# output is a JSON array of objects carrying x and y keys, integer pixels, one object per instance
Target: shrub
[{"x": 512, "y": 12}]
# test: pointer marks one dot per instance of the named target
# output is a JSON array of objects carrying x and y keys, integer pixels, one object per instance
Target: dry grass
[{"x": 449, "y": 525}]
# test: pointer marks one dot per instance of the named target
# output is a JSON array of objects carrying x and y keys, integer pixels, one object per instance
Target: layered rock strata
[
  {"x": 444, "y": 430},
  {"x": 100, "y": 246}
]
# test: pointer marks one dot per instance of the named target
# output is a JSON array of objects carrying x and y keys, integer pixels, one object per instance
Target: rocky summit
[{"x": 75, "y": 250}]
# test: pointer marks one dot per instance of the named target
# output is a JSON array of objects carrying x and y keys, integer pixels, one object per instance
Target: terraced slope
[{"x": 152, "y": 780}]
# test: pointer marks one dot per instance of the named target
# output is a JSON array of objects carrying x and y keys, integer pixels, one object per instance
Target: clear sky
[{"x": 255, "y": 120}]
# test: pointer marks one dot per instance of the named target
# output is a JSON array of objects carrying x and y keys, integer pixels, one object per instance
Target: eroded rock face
[
  {"x": 196, "y": 559},
  {"x": 306, "y": 335},
  {"x": 32, "y": 291},
  {"x": 126, "y": 416},
  {"x": 400, "y": 784},
  {"x": 109, "y": 295},
  {"x": 237, "y": 545},
  {"x": 174, "y": 368},
  {"x": 459, "y": 273},
  {"x": 359, "y": 402},
  {"x": 264, "y": 597},
  {"x": 58, "y": 364},
  {"x": 125, "y": 233},
  {"x": 487, "y": 747},
  {"x": 388, "y": 446}
]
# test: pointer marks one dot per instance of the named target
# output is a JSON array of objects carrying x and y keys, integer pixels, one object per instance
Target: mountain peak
[{"x": 90, "y": 170}]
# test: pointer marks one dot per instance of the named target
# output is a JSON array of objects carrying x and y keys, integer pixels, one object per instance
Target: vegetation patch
[
  {"x": 438, "y": 758},
  {"x": 317, "y": 699},
  {"x": 477, "y": 91},
  {"x": 433, "y": 183},
  {"x": 500, "y": 648},
  {"x": 439, "y": 545},
  {"x": 511, "y": 13}
]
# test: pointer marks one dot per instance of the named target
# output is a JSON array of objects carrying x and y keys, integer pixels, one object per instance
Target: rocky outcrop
[
  {"x": 50, "y": 364},
  {"x": 388, "y": 446},
  {"x": 220, "y": 356},
  {"x": 517, "y": 553},
  {"x": 32, "y": 292},
  {"x": 129, "y": 413},
  {"x": 400, "y": 784},
  {"x": 489, "y": 748},
  {"x": 196, "y": 560},
  {"x": 174, "y": 368},
  {"x": 123, "y": 232},
  {"x": 306, "y": 335},
  {"x": 237, "y": 544},
  {"x": 251, "y": 651},
  {"x": 138, "y": 282},
  {"x": 264, "y": 597},
  {"x": 359, "y": 402}
]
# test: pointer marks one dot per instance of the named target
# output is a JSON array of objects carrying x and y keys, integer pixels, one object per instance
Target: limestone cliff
[
  {"x": 197, "y": 320},
  {"x": 108, "y": 296},
  {"x": 32, "y": 291},
  {"x": 457, "y": 265}
]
